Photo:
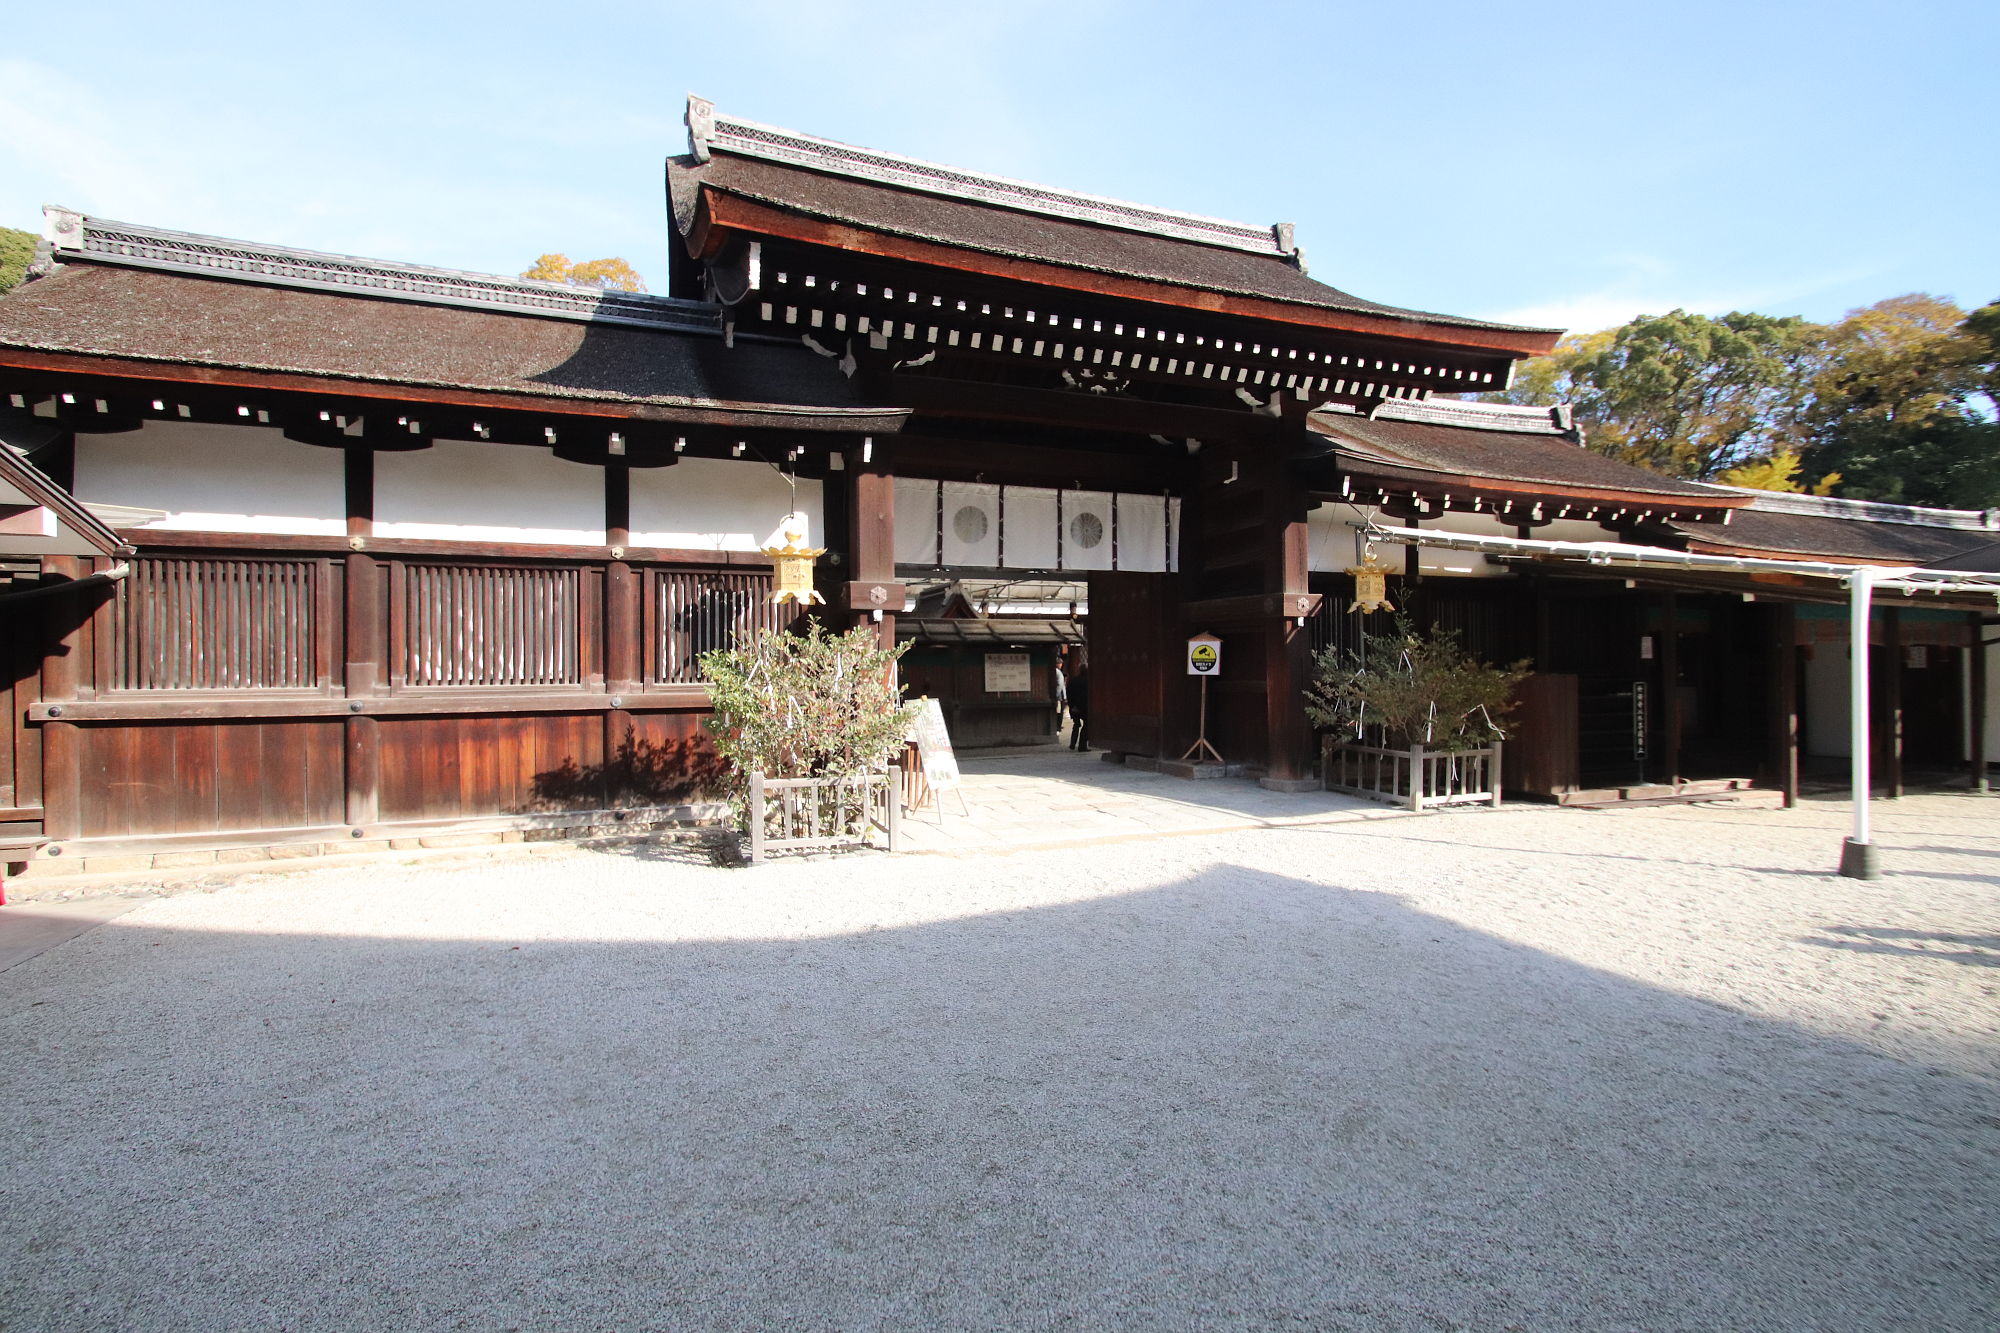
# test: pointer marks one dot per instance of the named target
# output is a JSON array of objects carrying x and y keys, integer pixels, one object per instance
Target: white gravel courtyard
[{"x": 1525, "y": 1070}]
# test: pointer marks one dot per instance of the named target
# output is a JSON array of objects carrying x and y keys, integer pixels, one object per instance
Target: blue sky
[{"x": 1554, "y": 164}]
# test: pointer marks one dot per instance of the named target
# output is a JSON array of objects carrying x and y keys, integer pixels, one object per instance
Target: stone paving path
[{"x": 1017, "y": 801}]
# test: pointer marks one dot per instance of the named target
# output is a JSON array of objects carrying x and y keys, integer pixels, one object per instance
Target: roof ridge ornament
[
  {"x": 709, "y": 132},
  {"x": 1474, "y": 415},
  {"x": 700, "y": 120},
  {"x": 73, "y": 235}
]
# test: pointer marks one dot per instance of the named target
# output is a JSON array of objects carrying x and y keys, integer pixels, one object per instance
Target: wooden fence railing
[
  {"x": 1419, "y": 778},
  {"x": 797, "y": 814},
  {"x": 695, "y": 612},
  {"x": 227, "y": 623},
  {"x": 187, "y": 623},
  {"x": 489, "y": 624}
]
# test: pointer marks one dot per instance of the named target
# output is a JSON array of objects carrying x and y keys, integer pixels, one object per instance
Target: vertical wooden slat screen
[
  {"x": 490, "y": 625},
  {"x": 695, "y": 613},
  {"x": 208, "y": 623}
]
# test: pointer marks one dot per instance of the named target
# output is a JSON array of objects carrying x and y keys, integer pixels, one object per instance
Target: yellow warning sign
[{"x": 1204, "y": 655}]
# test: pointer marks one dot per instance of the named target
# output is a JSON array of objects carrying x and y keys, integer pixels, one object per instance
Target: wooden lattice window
[
  {"x": 216, "y": 623},
  {"x": 696, "y": 613},
  {"x": 489, "y": 625}
]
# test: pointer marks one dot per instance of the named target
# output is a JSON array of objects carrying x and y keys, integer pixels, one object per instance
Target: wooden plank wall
[{"x": 230, "y": 694}]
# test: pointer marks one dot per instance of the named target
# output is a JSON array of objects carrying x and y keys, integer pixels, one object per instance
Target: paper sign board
[
  {"x": 1007, "y": 673},
  {"x": 1204, "y": 655},
  {"x": 925, "y": 721}
]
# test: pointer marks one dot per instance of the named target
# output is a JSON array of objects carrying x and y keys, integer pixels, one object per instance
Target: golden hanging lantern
[
  {"x": 1371, "y": 586},
  {"x": 793, "y": 561}
]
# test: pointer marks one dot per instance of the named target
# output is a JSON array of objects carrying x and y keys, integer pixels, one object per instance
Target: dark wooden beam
[
  {"x": 775, "y": 416},
  {"x": 1781, "y": 629},
  {"x": 1670, "y": 674},
  {"x": 1976, "y": 674},
  {"x": 1892, "y": 702}
]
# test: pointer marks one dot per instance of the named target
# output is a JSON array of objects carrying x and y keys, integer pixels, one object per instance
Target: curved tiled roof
[{"x": 176, "y": 318}]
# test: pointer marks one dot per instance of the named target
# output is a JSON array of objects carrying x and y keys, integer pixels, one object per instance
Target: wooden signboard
[
  {"x": 926, "y": 728},
  {"x": 1008, "y": 673}
]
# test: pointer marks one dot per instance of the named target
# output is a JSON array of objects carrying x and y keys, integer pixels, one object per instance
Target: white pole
[{"x": 1857, "y": 856}]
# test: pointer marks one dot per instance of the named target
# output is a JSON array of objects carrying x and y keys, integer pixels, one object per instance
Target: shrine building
[{"x": 380, "y": 551}]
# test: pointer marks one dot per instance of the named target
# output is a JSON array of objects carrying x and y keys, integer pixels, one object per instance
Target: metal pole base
[{"x": 1857, "y": 860}]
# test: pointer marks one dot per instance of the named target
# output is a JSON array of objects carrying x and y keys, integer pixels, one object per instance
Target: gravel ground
[{"x": 1525, "y": 1070}]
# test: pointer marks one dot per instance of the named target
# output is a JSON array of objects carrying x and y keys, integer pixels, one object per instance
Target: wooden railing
[
  {"x": 208, "y": 623},
  {"x": 798, "y": 814},
  {"x": 225, "y": 623},
  {"x": 1419, "y": 778},
  {"x": 489, "y": 624},
  {"x": 695, "y": 612}
]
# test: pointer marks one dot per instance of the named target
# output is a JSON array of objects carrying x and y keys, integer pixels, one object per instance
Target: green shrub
[
  {"x": 805, "y": 705},
  {"x": 1409, "y": 687}
]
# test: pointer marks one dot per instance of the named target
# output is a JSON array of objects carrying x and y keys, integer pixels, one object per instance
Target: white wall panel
[
  {"x": 1030, "y": 521},
  {"x": 1142, "y": 533},
  {"x": 463, "y": 490},
  {"x": 212, "y": 478},
  {"x": 916, "y": 521},
  {"x": 971, "y": 523},
  {"x": 717, "y": 504},
  {"x": 1086, "y": 517}
]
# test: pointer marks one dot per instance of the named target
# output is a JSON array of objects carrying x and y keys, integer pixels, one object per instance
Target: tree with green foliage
[
  {"x": 17, "y": 251},
  {"x": 611, "y": 275},
  {"x": 1903, "y": 404},
  {"x": 1687, "y": 395}
]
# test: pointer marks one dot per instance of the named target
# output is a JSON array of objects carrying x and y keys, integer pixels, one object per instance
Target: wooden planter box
[
  {"x": 798, "y": 814},
  {"x": 1418, "y": 778}
]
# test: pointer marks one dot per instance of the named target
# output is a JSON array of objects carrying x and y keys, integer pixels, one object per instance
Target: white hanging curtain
[
  {"x": 971, "y": 523},
  {"x": 1028, "y": 516},
  {"x": 1173, "y": 534},
  {"x": 1086, "y": 529},
  {"x": 1142, "y": 533},
  {"x": 916, "y": 522}
]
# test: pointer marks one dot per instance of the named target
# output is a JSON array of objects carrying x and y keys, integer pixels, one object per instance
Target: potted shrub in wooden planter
[
  {"x": 1411, "y": 718},
  {"x": 808, "y": 723}
]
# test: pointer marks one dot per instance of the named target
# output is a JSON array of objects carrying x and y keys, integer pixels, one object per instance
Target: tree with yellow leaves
[{"x": 611, "y": 275}]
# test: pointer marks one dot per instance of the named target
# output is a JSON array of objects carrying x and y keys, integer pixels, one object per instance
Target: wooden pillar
[
  {"x": 1782, "y": 632},
  {"x": 1892, "y": 701},
  {"x": 364, "y": 672},
  {"x": 1975, "y": 666},
  {"x": 1288, "y": 644},
  {"x": 1670, "y": 673},
  {"x": 62, "y": 742},
  {"x": 871, "y": 529},
  {"x": 1544, "y": 640}
]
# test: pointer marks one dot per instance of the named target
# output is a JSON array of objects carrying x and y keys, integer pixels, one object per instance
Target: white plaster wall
[
  {"x": 717, "y": 504},
  {"x": 464, "y": 490},
  {"x": 214, "y": 478},
  {"x": 1826, "y": 700}
]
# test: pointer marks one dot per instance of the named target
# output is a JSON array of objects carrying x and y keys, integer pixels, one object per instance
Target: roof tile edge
[
  {"x": 77, "y": 236},
  {"x": 1874, "y": 511},
  {"x": 708, "y": 132}
]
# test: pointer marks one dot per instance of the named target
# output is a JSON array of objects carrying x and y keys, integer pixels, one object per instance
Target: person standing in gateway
[{"x": 1079, "y": 704}]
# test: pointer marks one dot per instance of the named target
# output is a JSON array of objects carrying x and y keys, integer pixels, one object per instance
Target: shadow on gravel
[
  {"x": 1239, "y": 1101},
  {"x": 1973, "y": 950}
]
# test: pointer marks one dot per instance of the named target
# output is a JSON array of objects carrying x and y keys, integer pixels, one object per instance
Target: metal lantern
[
  {"x": 793, "y": 560},
  {"x": 1371, "y": 586}
]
